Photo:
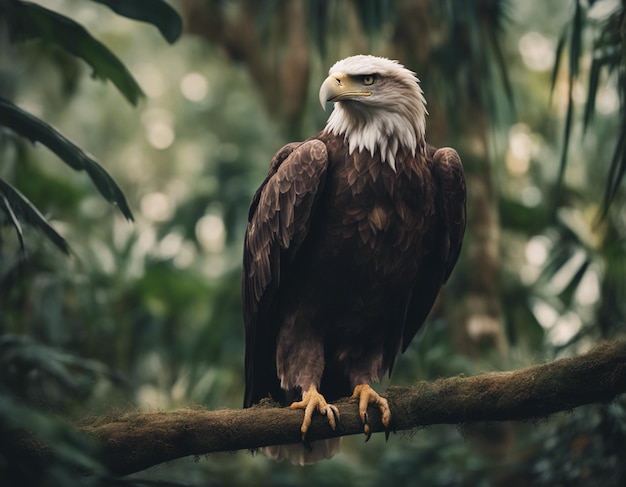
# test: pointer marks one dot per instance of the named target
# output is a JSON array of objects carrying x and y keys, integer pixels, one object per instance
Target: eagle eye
[{"x": 368, "y": 79}]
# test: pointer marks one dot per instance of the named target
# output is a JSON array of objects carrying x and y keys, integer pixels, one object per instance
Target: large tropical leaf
[
  {"x": 37, "y": 130},
  {"x": 30, "y": 21},
  {"x": 156, "y": 12},
  {"x": 18, "y": 208}
]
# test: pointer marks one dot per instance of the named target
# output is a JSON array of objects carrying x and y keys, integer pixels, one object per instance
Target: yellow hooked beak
[{"x": 340, "y": 86}]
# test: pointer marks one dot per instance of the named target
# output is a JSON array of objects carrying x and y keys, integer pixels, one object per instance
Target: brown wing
[
  {"x": 278, "y": 223},
  {"x": 447, "y": 172}
]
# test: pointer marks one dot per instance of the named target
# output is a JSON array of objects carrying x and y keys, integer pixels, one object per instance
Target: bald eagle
[{"x": 349, "y": 239}]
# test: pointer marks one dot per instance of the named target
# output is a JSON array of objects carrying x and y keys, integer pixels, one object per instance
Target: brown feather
[
  {"x": 343, "y": 252},
  {"x": 349, "y": 239}
]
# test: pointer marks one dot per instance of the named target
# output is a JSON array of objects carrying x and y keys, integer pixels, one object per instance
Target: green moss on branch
[{"x": 133, "y": 441}]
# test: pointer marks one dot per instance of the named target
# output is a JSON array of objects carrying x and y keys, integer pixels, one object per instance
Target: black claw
[
  {"x": 368, "y": 435},
  {"x": 337, "y": 418},
  {"x": 366, "y": 428},
  {"x": 386, "y": 435}
]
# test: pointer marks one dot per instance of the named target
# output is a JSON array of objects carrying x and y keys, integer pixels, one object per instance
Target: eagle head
[{"x": 379, "y": 106}]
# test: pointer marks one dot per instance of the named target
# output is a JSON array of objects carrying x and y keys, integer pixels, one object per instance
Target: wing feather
[
  {"x": 447, "y": 171},
  {"x": 278, "y": 223}
]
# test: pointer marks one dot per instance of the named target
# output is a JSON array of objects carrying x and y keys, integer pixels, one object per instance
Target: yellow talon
[
  {"x": 366, "y": 396},
  {"x": 312, "y": 400}
]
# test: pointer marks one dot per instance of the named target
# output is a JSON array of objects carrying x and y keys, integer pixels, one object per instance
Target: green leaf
[
  {"x": 500, "y": 62},
  {"x": 24, "y": 354},
  {"x": 559, "y": 256},
  {"x": 37, "y": 130},
  {"x": 576, "y": 41},
  {"x": 29, "y": 21},
  {"x": 594, "y": 81},
  {"x": 18, "y": 207},
  {"x": 574, "y": 68},
  {"x": 6, "y": 205},
  {"x": 617, "y": 169},
  {"x": 557, "y": 61},
  {"x": 567, "y": 294},
  {"x": 567, "y": 131},
  {"x": 156, "y": 12}
]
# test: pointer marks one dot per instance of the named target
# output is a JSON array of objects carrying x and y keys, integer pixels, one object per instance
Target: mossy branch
[{"x": 133, "y": 441}]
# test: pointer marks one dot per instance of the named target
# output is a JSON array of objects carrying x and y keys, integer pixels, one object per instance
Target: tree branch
[{"x": 133, "y": 441}]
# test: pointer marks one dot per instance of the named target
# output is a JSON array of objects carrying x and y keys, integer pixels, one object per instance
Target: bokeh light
[{"x": 194, "y": 86}]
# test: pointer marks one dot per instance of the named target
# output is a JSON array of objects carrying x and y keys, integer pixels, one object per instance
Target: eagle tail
[{"x": 299, "y": 454}]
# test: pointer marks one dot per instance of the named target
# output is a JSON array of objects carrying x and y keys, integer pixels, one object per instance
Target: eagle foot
[
  {"x": 313, "y": 401},
  {"x": 366, "y": 396}
]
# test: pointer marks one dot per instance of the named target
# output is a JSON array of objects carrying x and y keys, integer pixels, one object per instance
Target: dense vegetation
[{"x": 119, "y": 271}]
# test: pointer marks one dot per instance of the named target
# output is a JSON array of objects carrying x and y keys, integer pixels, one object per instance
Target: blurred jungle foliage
[{"x": 146, "y": 314}]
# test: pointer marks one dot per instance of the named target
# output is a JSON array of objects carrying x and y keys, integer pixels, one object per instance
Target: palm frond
[
  {"x": 609, "y": 54},
  {"x": 474, "y": 47},
  {"x": 30, "y": 21},
  {"x": 36, "y": 130},
  {"x": 8, "y": 209},
  {"x": 575, "y": 50},
  {"x": 560, "y": 47},
  {"x": 19, "y": 208},
  {"x": 156, "y": 12},
  {"x": 617, "y": 169}
]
